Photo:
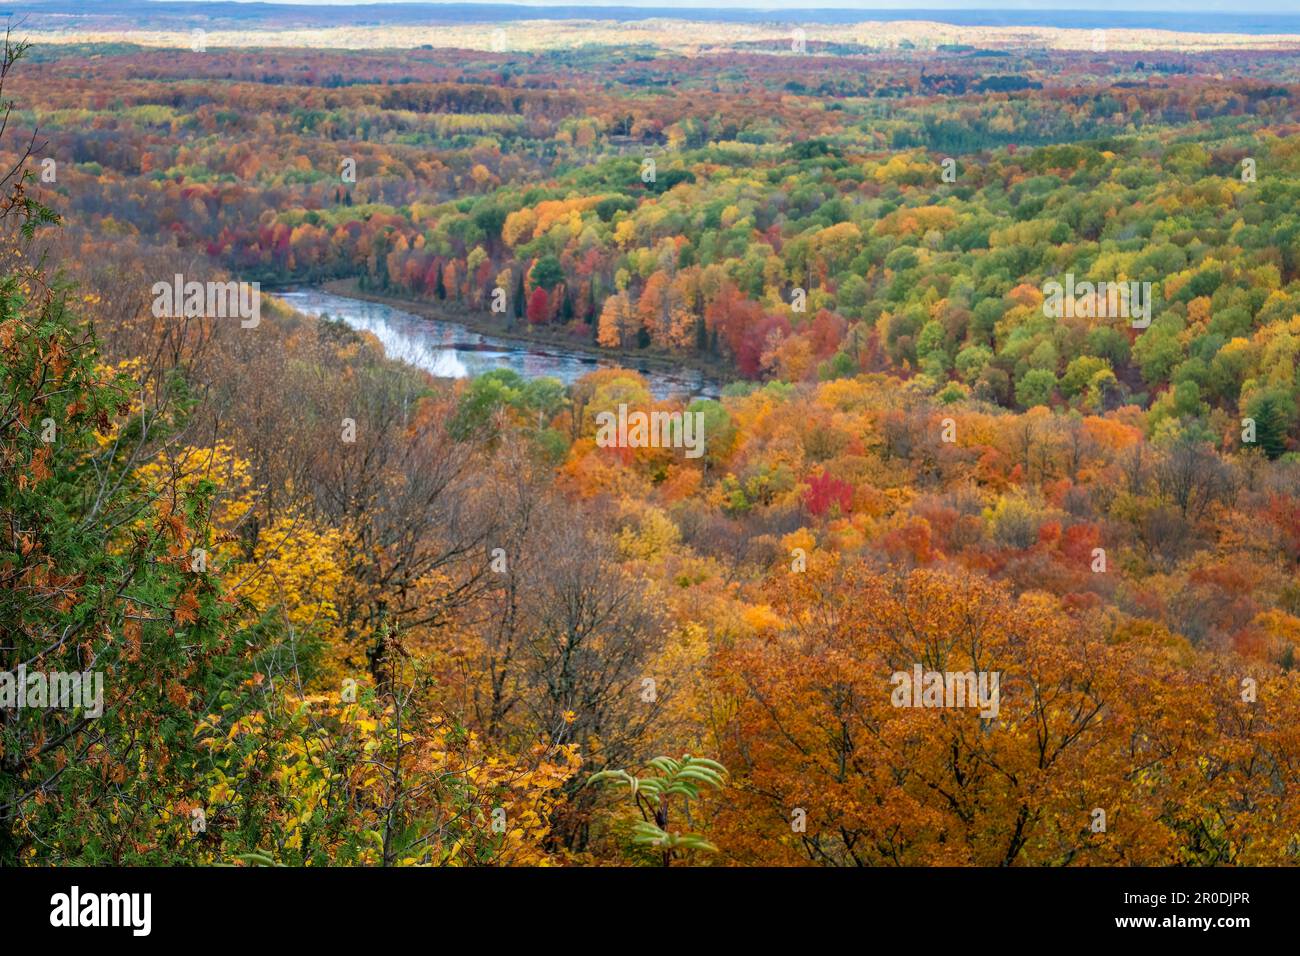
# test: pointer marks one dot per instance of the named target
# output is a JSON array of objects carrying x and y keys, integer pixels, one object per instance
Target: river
[{"x": 451, "y": 350}]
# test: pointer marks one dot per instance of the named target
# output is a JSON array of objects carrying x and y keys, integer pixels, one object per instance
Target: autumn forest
[{"x": 993, "y": 344}]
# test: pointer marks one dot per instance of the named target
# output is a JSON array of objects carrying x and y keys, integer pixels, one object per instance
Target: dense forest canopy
[{"x": 350, "y": 613}]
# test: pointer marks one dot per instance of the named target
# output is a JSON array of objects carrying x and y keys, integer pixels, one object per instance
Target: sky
[{"x": 1179, "y": 6}]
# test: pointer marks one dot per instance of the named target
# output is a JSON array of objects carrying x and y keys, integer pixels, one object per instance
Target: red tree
[
  {"x": 539, "y": 306},
  {"x": 825, "y": 491}
]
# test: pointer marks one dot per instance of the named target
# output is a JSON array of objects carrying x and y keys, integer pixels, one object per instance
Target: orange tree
[{"x": 1113, "y": 742}]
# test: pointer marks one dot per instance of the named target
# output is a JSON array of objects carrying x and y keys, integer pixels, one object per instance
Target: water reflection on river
[{"x": 449, "y": 350}]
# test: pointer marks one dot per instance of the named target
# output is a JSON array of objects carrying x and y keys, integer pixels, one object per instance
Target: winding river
[{"x": 451, "y": 350}]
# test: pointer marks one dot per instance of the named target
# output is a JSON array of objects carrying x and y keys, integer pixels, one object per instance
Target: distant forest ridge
[{"x": 147, "y": 14}]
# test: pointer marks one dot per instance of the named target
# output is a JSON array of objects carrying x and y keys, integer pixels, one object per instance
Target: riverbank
[
  {"x": 489, "y": 323},
  {"x": 447, "y": 348}
]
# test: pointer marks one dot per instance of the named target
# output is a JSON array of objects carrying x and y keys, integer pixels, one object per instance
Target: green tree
[
  {"x": 547, "y": 273},
  {"x": 1035, "y": 387},
  {"x": 1273, "y": 413},
  {"x": 653, "y": 795},
  {"x": 98, "y": 577}
]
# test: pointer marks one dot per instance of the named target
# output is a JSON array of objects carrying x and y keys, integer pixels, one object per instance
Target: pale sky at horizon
[{"x": 1176, "y": 6}]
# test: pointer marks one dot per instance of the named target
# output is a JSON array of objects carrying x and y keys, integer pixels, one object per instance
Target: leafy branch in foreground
[{"x": 651, "y": 794}]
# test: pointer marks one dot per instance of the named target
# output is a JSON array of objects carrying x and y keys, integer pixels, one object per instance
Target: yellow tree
[{"x": 616, "y": 322}]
